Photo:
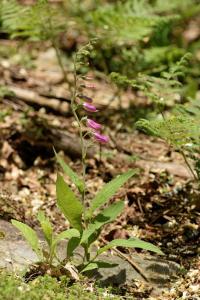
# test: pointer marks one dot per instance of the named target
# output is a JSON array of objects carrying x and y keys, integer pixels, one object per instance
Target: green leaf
[
  {"x": 72, "y": 245},
  {"x": 69, "y": 204},
  {"x": 67, "y": 234},
  {"x": 98, "y": 265},
  {"x": 108, "y": 215},
  {"x": 72, "y": 175},
  {"x": 46, "y": 227},
  {"x": 30, "y": 235},
  {"x": 93, "y": 237},
  {"x": 130, "y": 243},
  {"x": 109, "y": 190}
]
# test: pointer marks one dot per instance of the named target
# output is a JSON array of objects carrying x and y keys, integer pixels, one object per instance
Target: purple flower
[
  {"x": 90, "y": 86},
  {"x": 88, "y": 77},
  {"x": 85, "y": 98},
  {"x": 94, "y": 125},
  {"x": 89, "y": 107},
  {"x": 87, "y": 85},
  {"x": 101, "y": 138}
]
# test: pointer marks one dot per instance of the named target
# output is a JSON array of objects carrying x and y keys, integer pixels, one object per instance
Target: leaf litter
[{"x": 160, "y": 203}]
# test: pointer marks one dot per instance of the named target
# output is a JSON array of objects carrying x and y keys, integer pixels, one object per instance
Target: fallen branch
[
  {"x": 158, "y": 166},
  {"x": 34, "y": 98},
  {"x": 39, "y": 138},
  {"x": 129, "y": 260}
]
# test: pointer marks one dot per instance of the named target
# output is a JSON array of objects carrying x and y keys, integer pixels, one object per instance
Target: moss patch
[{"x": 47, "y": 288}]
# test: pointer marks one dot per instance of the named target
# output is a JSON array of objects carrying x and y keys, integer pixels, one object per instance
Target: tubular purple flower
[
  {"x": 90, "y": 86},
  {"x": 89, "y": 107},
  {"x": 94, "y": 125},
  {"x": 87, "y": 85},
  {"x": 87, "y": 77},
  {"x": 101, "y": 138},
  {"x": 85, "y": 98}
]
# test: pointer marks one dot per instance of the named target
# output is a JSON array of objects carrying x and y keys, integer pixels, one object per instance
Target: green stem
[
  {"x": 182, "y": 152},
  {"x": 82, "y": 142},
  {"x": 83, "y": 154},
  {"x": 188, "y": 165},
  {"x": 88, "y": 260},
  {"x": 100, "y": 153}
]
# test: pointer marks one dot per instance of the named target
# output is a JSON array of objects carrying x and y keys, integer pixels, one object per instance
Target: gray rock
[{"x": 16, "y": 255}]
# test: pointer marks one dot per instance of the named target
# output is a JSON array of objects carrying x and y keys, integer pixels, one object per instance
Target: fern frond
[
  {"x": 161, "y": 90},
  {"x": 37, "y": 22},
  {"x": 161, "y": 6},
  {"x": 178, "y": 130},
  {"x": 181, "y": 130},
  {"x": 127, "y": 22}
]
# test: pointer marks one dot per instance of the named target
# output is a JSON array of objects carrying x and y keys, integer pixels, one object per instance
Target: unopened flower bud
[
  {"x": 101, "y": 138},
  {"x": 94, "y": 125},
  {"x": 85, "y": 98},
  {"x": 89, "y": 107},
  {"x": 89, "y": 86},
  {"x": 87, "y": 77}
]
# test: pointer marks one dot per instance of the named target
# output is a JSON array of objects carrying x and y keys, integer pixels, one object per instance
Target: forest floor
[{"x": 161, "y": 202}]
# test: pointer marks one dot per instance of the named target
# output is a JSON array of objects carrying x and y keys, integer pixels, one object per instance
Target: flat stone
[{"x": 16, "y": 255}]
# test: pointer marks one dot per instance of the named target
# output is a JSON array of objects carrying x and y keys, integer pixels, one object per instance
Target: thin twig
[
  {"x": 129, "y": 260},
  {"x": 188, "y": 165},
  {"x": 56, "y": 48}
]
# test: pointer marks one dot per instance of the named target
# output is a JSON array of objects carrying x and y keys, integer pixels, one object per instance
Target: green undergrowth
[{"x": 48, "y": 288}]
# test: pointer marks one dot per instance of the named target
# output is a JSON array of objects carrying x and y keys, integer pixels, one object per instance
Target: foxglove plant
[
  {"x": 90, "y": 221},
  {"x": 86, "y": 222}
]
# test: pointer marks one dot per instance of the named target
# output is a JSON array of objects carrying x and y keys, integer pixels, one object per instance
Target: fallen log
[
  {"x": 158, "y": 166},
  {"x": 34, "y": 98},
  {"x": 38, "y": 139}
]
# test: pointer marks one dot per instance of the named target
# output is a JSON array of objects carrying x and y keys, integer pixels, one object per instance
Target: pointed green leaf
[
  {"x": 30, "y": 236},
  {"x": 108, "y": 215},
  {"x": 72, "y": 245},
  {"x": 109, "y": 190},
  {"x": 69, "y": 204},
  {"x": 46, "y": 227},
  {"x": 130, "y": 243},
  {"x": 67, "y": 234},
  {"x": 72, "y": 175},
  {"x": 90, "y": 267},
  {"x": 98, "y": 265},
  {"x": 93, "y": 237}
]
